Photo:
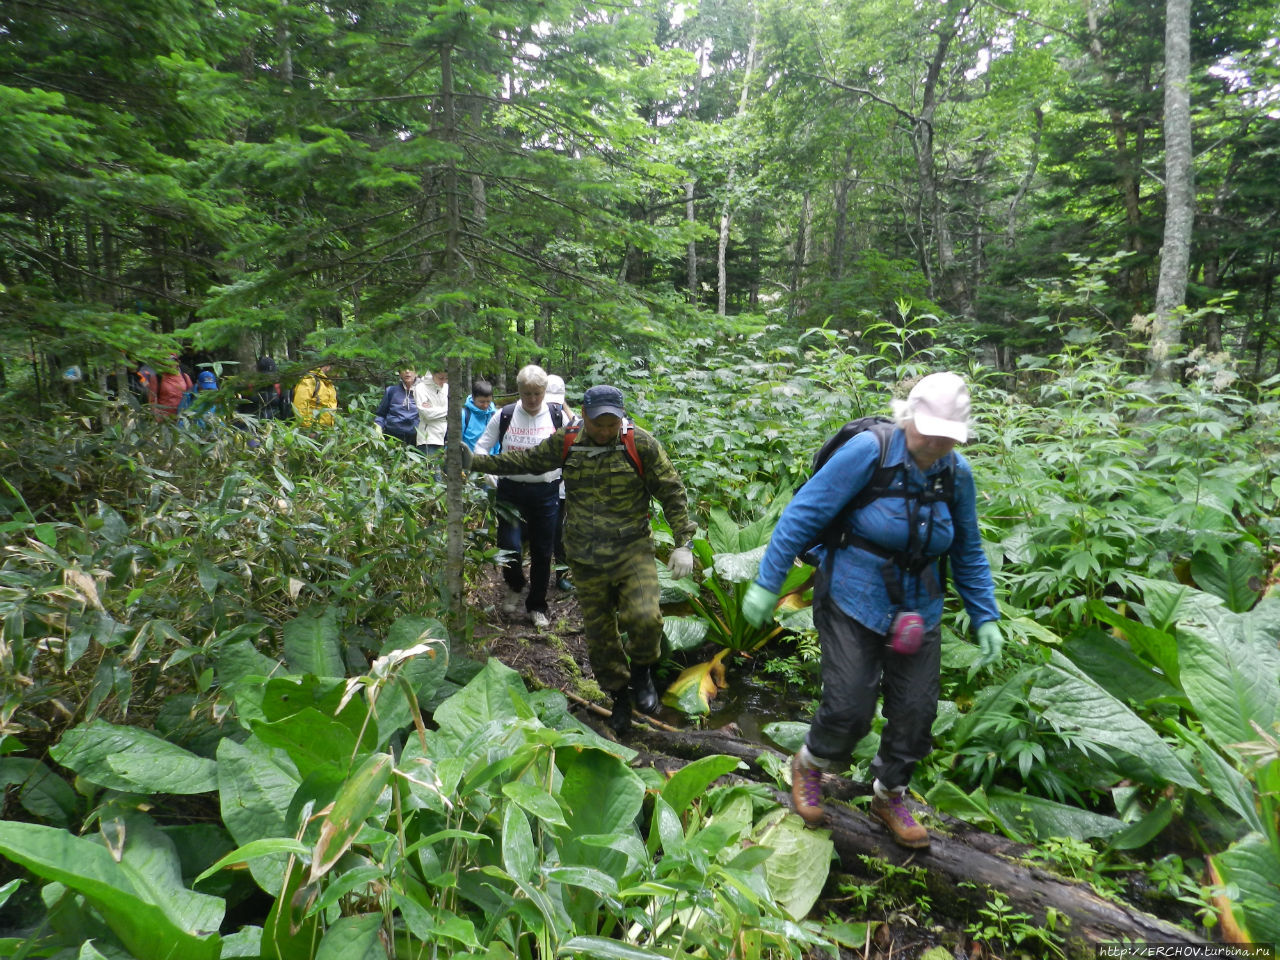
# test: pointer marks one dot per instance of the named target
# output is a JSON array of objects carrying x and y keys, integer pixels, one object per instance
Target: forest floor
[{"x": 557, "y": 658}]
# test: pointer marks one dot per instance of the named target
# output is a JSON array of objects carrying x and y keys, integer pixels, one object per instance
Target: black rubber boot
[
  {"x": 620, "y": 721},
  {"x": 643, "y": 690}
]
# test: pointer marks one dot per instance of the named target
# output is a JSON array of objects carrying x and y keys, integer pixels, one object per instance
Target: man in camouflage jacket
[{"x": 607, "y": 540}]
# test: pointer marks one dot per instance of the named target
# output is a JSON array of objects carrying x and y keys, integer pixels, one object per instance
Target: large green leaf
[
  {"x": 1253, "y": 866},
  {"x": 151, "y": 925},
  {"x": 1051, "y": 819},
  {"x": 312, "y": 740},
  {"x": 256, "y": 784},
  {"x": 1081, "y": 709},
  {"x": 684, "y": 633},
  {"x": 797, "y": 869},
  {"x": 133, "y": 760},
  {"x": 1237, "y": 579},
  {"x": 693, "y": 779},
  {"x": 739, "y": 567},
  {"x": 41, "y": 792},
  {"x": 1231, "y": 671},
  {"x": 312, "y": 644},
  {"x": 600, "y": 795},
  {"x": 490, "y": 695},
  {"x": 1113, "y": 665},
  {"x": 353, "y": 938}
]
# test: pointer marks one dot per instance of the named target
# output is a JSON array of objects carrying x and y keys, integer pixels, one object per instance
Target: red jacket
[{"x": 169, "y": 395}]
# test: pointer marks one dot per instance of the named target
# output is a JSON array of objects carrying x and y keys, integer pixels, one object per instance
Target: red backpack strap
[
  {"x": 629, "y": 441},
  {"x": 570, "y": 438}
]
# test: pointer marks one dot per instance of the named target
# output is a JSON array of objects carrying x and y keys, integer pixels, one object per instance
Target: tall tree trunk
[
  {"x": 1011, "y": 221},
  {"x": 835, "y": 267},
  {"x": 691, "y": 254},
  {"x": 801, "y": 253},
  {"x": 1171, "y": 292},
  {"x": 690, "y": 189},
  {"x": 455, "y": 542},
  {"x": 932, "y": 209},
  {"x": 726, "y": 211}
]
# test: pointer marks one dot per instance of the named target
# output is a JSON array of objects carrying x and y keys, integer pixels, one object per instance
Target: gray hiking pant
[{"x": 857, "y": 668}]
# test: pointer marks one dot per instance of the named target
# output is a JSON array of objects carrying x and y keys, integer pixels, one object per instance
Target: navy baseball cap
[{"x": 603, "y": 399}]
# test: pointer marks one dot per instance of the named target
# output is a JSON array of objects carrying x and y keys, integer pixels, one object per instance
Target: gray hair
[
  {"x": 531, "y": 376},
  {"x": 902, "y": 411}
]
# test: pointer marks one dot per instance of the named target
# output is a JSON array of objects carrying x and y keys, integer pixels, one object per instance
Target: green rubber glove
[
  {"x": 466, "y": 458},
  {"x": 758, "y": 604},
  {"x": 990, "y": 643}
]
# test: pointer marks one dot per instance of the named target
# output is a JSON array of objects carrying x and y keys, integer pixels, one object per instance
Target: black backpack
[
  {"x": 836, "y": 533},
  {"x": 507, "y": 412}
]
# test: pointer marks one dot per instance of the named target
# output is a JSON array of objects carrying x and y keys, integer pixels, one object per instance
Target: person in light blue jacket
[
  {"x": 878, "y": 591},
  {"x": 477, "y": 412}
]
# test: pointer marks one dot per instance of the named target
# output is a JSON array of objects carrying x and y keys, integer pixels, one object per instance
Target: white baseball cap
[
  {"x": 555, "y": 388},
  {"x": 939, "y": 406}
]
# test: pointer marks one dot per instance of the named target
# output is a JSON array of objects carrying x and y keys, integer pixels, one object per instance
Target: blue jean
[
  {"x": 858, "y": 669},
  {"x": 538, "y": 505}
]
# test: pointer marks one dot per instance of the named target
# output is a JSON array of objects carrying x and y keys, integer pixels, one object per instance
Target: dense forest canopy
[{"x": 508, "y": 180}]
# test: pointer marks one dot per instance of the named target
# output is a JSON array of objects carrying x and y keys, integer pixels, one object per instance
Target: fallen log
[{"x": 961, "y": 865}]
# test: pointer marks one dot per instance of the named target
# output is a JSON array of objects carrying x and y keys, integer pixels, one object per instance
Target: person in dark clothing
[
  {"x": 397, "y": 414},
  {"x": 269, "y": 402}
]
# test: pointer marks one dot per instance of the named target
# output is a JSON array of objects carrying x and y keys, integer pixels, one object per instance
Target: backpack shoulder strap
[
  {"x": 883, "y": 475},
  {"x": 557, "y": 414},
  {"x": 570, "y": 438},
  {"x": 629, "y": 446},
  {"x": 504, "y": 420}
]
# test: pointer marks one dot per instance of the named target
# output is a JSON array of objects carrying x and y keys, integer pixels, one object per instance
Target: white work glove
[
  {"x": 377, "y": 429},
  {"x": 681, "y": 563}
]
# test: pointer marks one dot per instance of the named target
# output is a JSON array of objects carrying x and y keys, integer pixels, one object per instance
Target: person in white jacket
[
  {"x": 433, "y": 407},
  {"x": 529, "y": 500}
]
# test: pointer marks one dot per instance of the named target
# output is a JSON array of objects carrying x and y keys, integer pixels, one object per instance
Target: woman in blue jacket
[{"x": 878, "y": 592}]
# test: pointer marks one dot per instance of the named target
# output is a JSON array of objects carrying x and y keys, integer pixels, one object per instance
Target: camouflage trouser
[{"x": 620, "y": 598}]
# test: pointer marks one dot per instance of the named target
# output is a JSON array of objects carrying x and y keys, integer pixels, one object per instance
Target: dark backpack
[
  {"x": 507, "y": 412},
  {"x": 144, "y": 384},
  {"x": 835, "y": 534}
]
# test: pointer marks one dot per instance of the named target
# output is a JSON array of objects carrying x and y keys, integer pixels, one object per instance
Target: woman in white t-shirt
[{"x": 535, "y": 499}]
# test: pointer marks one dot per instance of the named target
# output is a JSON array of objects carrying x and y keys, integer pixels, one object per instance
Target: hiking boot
[
  {"x": 893, "y": 813},
  {"x": 539, "y": 619},
  {"x": 643, "y": 690},
  {"x": 620, "y": 721},
  {"x": 511, "y": 602},
  {"x": 806, "y": 791},
  {"x": 564, "y": 584}
]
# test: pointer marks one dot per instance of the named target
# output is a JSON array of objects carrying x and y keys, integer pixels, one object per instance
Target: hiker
[
  {"x": 205, "y": 407},
  {"x": 612, "y": 469},
  {"x": 477, "y": 412},
  {"x": 316, "y": 398},
  {"x": 564, "y": 583},
  {"x": 878, "y": 592},
  {"x": 397, "y": 414},
  {"x": 269, "y": 401},
  {"x": 144, "y": 384},
  {"x": 173, "y": 391},
  {"x": 433, "y": 410},
  {"x": 533, "y": 496}
]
